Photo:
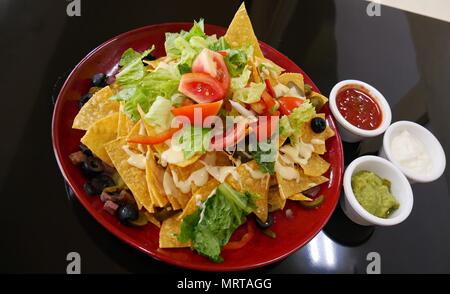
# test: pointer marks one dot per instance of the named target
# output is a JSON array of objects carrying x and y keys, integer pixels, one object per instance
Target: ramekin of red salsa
[{"x": 360, "y": 110}]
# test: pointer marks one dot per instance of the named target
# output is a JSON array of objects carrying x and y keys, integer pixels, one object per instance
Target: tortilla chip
[
  {"x": 173, "y": 197},
  {"x": 273, "y": 181},
  {"x": 96, "y": 108},
  {"x": 294, "y": 78},
  {"x": 201, "y": 194},
  {"x": 299, "y": 197},
  {"x": 101, "y": 132},
  {"x": 240, "y": 32},
  {"x": 318, "y": 140},
  {"x": 303, "y": 183},
  {"x": 155, "y": 175},
  {"x": 257, "y": 186},
  {"x": 133, "y": 177},
  {"x": 316, "y": 166},
  {"x": 168, "y": 234},
  {"x": 151, "y": 218},
  {"x": 125, "y": 124},
  {"x": 321, "y": 100},
  {"x": 274, "y": 199},
  {"x": 183, "y": 174}
]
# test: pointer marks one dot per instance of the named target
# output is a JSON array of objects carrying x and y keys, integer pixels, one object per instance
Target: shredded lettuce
[
  {"x": 237, "y": 59},
  {"x": 265, "y": 155},
  {"x": 211, "y": 226},
  {"x": 159, "y": 114},
  {"x": 290, "y": 125},
  {"x": 250, "y": 94},
  {"x": 240, "y": 81},
  {"x": 193, "y": 140}
]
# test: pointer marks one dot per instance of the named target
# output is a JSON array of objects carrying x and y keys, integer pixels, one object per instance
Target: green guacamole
[{"x": 373, "y": 193}]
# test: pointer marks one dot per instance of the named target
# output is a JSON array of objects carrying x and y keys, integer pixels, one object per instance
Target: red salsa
[{"x": 358, "y": 107}]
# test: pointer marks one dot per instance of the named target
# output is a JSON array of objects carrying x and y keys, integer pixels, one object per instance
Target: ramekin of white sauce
[{"x": 414, "y": 150}]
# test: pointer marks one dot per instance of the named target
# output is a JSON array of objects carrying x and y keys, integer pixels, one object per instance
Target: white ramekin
[
  {"x": 432, "y": 145},
  {"x": 350, "y": 133},
  {"x": 400, "y": 188}
]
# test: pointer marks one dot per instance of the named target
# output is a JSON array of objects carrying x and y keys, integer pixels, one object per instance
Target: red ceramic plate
[{"x": 262, "y": 250}]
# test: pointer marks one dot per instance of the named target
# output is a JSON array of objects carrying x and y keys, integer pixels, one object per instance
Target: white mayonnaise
[
  {"x": 410, "y": 153},
  {"x": 255, "y": 174},
  {"x": 199, "y": 178},
  {"x": 135, "y": 159}
]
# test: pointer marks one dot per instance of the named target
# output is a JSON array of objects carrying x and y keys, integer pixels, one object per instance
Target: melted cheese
[{"x": 199, "y": 178}]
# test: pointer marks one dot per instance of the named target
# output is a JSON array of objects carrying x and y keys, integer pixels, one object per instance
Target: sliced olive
[
  {"x": 312, "y": 204},
  {"x": 318, "y": 125},
  {"x": 127, "y": 212},
  {"x": 149, "y": 57},
  {"x": 165, "y": 213},
  {"x": 101, "y": 182},
  {"x": 92, "y": 166},
  {"x": 140, "y": 221},
  {"x": 317, "y": 102},
  {"x": 99, "y": 80},
  {"x": 265, "y": 225},
  {"x": 85, "y": 150},
  {"x": 308, "y": 90},
  {"x": 89, "y": 189},
  {"x": 85, "y": 98},
  {"x": 269, "y": 233}
]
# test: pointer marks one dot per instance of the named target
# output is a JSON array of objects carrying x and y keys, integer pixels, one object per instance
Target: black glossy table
[{"x": 404, "y": 55}]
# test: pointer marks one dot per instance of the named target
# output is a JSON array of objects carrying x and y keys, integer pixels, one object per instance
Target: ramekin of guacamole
[{"x": 373, "y": 193}]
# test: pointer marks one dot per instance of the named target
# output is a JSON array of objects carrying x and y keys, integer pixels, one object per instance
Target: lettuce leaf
[
  {"x": 193, "y": 140},
  {"x": 133, "y": 70},
  {"x": 211, "y": 226},
  {"x": 237, "y": 59},
  {"x": 128, "y": 56},
  {"x": 250, "y": 94},
  {"x": 265, "y": 156},
  {"x": 159, "y": 114}
]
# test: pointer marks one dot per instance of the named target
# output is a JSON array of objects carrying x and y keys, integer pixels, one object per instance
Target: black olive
[
  {"x": 85, "y": 150},
  {"x": 267, "y": 224},
  {"x": 101, "y": 182},
  {"x": 92, "y": 166},
  {"x": 127, "y": 212},
  {"x": 149, "y": 57},
  {"x": 99, "y": 80},
  {"x": 85, "y": 98},
  {"x": 318, "y": 125},
  {"x": 89, "y": 189}
]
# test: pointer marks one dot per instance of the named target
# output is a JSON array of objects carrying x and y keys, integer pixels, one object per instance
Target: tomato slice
[
  {"x": 156, "y": 139},
  {"x": 201, "y": 87},
  {"x": 233, "y": 245},
  {"x": 269, "y": 88},
  {"x": 288, "y": 104},
  {"x": 204, "y": 110},
  {"x": 212, "y": 63},
  {"x": 264, "y": 128}
]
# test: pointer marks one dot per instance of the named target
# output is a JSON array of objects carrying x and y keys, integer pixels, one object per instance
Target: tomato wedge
[
  {"x": 156, "y": 139},
  {"x": 201, "y": 87},
  {"x": 288, "y": 104},
  {"x": 233, "y": 245},
  {"x": 204, "y": 110},
  {"x": 212, "y": 63}
]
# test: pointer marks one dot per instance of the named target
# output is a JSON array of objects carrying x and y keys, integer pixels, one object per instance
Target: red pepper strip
[
  {"x": 231, "y": 138},
  {"x": 233, "y": 245},
  {"x": 269, "y": 88},
  {"x": 269, "y": 101},
  {"x": 223, "y": 53},
  {"x": 156, "y": 139}
]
